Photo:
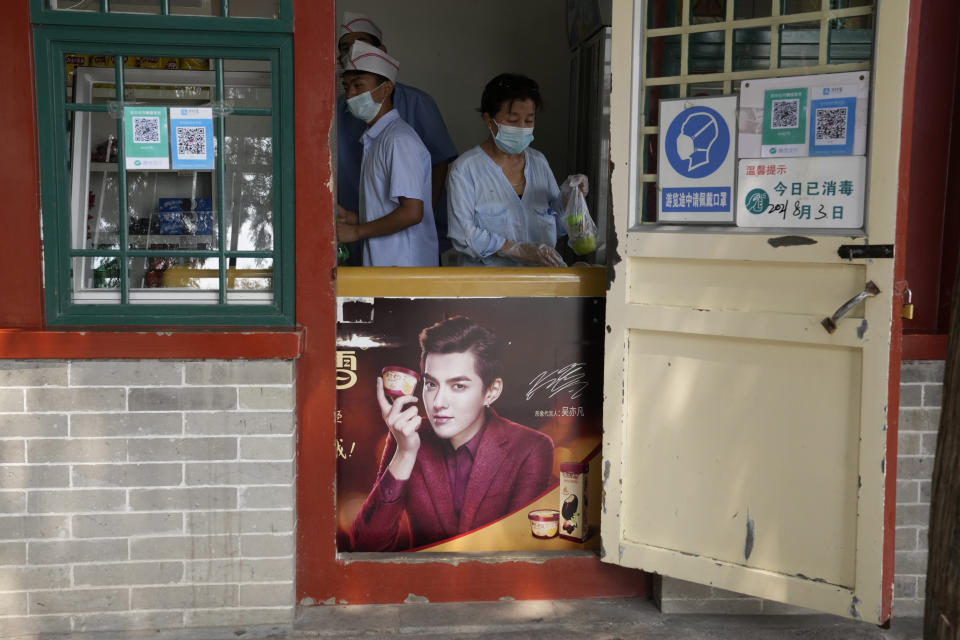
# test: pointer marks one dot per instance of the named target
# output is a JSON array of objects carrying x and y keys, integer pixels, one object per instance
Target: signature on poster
[{"x": 571, "y": 378}]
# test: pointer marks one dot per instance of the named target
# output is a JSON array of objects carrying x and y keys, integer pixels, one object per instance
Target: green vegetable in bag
[{"x": 581, "y": 230}]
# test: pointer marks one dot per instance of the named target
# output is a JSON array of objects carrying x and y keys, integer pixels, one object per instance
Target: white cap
[
  {"x": 366, "y": 57},
  {"x": 357, "y": 23}
]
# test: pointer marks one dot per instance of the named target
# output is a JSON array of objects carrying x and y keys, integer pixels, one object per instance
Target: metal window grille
[
  {"x": 707, "y": 47},
  {"x": 129, "y": 303},
  {"x": 262, "y": 8}
]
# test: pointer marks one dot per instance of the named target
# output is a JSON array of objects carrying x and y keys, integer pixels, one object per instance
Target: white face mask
[
  {"x": 684, "y": 146},
  {"x": 363, "y": 106},
  {"x": 512, "y": 140}
]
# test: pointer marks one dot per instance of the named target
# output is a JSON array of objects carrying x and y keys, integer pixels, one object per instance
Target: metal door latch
[
  {"x": 869, "y": 289},
  {"x": 865, "y": 251}
]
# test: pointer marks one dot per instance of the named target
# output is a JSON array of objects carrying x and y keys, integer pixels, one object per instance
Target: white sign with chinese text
[
  {"x": 814, "y": 115},
  {"x": 812, "y": 193},
  {"x": 697, "y": 160}
]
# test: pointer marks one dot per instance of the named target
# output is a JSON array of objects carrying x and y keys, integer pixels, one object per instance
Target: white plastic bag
[{"x": 581, "y": 230}]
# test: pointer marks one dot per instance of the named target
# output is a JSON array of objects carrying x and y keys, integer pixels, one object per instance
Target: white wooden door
[{"x": 745, "y": 447}]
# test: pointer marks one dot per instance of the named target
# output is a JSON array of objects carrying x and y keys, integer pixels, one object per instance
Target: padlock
[{"x": 907, "y": 311}]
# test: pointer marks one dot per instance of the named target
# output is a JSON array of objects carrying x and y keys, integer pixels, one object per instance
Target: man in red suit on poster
[{"x": 470, "y": 468}]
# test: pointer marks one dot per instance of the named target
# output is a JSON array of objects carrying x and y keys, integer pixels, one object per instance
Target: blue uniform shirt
[
  {"x": 417, "y": 109},
  {"x": 396, "y": 164}
]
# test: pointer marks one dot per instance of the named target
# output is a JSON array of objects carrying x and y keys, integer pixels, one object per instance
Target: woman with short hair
[{"x": 502, "y": 196}]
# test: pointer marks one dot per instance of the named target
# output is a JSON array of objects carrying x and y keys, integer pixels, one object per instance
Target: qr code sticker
[
  {"x": 786, "y": 114},
  {"x": 146, "y": 129},
  {"x": 191, "y": 143},
  {"x": 831, "y": 126}
]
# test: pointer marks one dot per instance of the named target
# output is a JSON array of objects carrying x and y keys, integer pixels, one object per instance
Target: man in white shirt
[
  {"x": 416, "y": 108},
  {"x": 395, "y": 220}
]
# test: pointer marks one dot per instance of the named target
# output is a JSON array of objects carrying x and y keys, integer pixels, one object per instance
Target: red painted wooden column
[
  {"x": 929, "y": 183},
  {"x": 316, "y": 298},
  {"x": 21, "y": 293}
]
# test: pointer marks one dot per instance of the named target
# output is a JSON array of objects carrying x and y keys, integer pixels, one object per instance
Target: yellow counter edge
[{"x": 470, "y": 282}]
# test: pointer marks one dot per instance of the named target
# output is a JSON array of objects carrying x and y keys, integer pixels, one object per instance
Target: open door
[{"x": 745, "y": 446}]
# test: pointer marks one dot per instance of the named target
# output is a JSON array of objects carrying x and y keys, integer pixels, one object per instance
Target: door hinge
[{"x": 861, "y": 251}]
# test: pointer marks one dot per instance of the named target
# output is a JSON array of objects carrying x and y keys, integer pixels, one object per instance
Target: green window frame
[
  {"x": 268, "y": 42},
  {"x": 112, "y": 13}
]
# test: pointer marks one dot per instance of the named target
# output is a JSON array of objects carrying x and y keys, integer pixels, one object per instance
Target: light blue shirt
[
  {"x": 485, "y": 210},
  {"x": 396, "y": 164},
  {"x": 417, "y": 109}
]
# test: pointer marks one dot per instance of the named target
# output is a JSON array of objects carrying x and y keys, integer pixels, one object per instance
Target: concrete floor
[{"x": 613, "y": 619}]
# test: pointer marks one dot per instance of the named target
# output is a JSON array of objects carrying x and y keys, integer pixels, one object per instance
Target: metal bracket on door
[
  {"x": 864, "y": 251},
  {"x": 869, "y": 289}
]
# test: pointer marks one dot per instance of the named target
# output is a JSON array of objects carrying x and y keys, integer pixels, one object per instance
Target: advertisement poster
[
  {"x": 191, "y": 137},
  {"x": 817, "y": 115},
  {"x": 145, "y": 132},
  {"x": 813, "y": 193},
  {"x": 697, "y": 160},
  {"x": 507, "y": 402}
]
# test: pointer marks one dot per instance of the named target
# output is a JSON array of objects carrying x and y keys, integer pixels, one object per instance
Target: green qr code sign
[
  {"x": 145, "y": 134},
  {"x": 785, "y": 116}
]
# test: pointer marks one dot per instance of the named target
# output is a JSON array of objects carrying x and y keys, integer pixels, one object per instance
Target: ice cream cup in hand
[{"x": 399, "y": 381}]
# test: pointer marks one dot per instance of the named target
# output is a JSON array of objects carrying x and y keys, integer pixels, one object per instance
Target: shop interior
[
  {"x": 567, "y": 53},
  {"x": 171, "y": 209},
  {"x": 451, "y": 50},
  {"x": 448, "y": 50}
]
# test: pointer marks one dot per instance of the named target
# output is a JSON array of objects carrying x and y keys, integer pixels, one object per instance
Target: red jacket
[{"x": 512, "y": 467}]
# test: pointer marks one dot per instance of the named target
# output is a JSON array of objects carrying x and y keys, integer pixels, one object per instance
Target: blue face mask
[
  {"x": 363, "y": 106},
  {"x": 512, "y": 139}
]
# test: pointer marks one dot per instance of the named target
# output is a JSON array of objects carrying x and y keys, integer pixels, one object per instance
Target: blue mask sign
[
  {"x": 697, "y": 165},
  {"x": 697, "y": 142}
]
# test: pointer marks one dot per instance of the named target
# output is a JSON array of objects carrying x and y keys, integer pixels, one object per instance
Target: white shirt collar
[{"x": 373, "y": 132}]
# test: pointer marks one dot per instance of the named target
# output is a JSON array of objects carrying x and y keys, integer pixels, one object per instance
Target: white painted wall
[{"x": 451, "y": 49}]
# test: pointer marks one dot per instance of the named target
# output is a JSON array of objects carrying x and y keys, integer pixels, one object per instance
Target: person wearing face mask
[
  {"x": 395, "y": 216},
  {"x": 414, "y": 106},
  {"x": 502, "y": 196}
]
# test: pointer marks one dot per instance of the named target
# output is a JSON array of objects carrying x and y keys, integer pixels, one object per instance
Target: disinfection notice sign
[{"x": 812, "y": 193}]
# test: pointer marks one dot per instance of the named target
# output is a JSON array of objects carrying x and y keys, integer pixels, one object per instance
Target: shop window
[
  {"x": 233, "y": 8},
  {"x": 165, "y": 158},
  {"x": 715, "y": 45}
]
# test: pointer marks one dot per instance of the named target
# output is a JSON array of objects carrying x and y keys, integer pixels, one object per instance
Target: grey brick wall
[
  {"x": 921, "y": 395},
  {"x": 145, "y": 494}
]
